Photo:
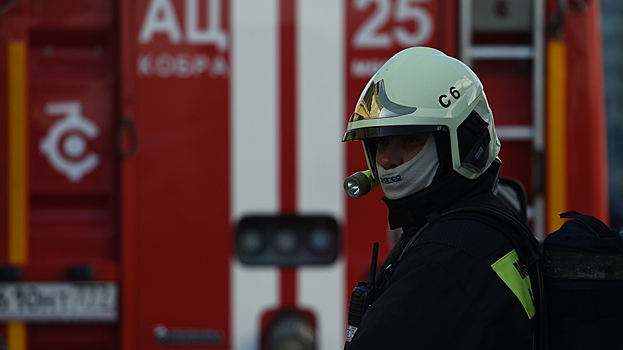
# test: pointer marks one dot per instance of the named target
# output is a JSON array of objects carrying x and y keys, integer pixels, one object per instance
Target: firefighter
[{"x": 451, "y": 282}]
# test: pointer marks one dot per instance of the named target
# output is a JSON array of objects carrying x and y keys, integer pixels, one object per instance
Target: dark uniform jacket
[{"x": 444, "y": 293}]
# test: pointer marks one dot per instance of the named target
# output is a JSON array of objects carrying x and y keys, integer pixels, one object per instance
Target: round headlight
[
  {"x": 251, "y": 241},
  {"x": 320, "y": 240},
  {"x": 285, "y": 241}
]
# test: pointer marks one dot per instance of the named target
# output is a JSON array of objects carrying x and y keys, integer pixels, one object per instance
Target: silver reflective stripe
[
  {"x": 586, "y": 266},
  {"x": 350, "y": 333}
]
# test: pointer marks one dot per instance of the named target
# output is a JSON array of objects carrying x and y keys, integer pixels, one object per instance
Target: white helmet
[{"x": 420, "y": 89}]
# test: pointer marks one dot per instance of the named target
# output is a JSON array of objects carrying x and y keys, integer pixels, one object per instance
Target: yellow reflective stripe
[
  {"x": 17, "y": 154},
  {"x": 17, "y": 174},
  {"x": 515, "y": 274},
  {"x": 16, "y": 335}
]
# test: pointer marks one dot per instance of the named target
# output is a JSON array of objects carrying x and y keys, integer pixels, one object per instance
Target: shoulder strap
[{"x": 518, "y": 233}]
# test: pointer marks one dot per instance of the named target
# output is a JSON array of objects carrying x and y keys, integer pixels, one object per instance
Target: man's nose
[{"x": 392, "y": 156}]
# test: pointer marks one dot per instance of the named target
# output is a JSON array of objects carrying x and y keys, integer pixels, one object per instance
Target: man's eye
[{"x": 415, "y": 138}]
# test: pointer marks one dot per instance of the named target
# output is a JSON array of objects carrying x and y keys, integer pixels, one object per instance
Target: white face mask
[{"x": 415, "y": 174}]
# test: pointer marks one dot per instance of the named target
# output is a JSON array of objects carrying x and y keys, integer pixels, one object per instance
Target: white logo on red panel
[
  {"x": 388, "y": 24},
  {"x": 199, "y": 23},
  {"x": 66, "y": 143},
  {"x": 161, "y": 18}
]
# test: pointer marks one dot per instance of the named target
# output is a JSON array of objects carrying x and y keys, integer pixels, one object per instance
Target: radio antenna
[{"x": 375, "y": 254}]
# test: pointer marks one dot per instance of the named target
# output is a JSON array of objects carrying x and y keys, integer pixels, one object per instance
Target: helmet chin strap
[{"x": 415, "y": 174}]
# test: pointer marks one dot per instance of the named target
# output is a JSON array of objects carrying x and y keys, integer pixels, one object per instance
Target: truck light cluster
[{"x": 287, "y": 240}]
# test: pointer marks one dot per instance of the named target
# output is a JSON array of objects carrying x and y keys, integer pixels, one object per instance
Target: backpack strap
[
  {"x": 594, "y": 225},
  {"x": 520, "y": 236}
]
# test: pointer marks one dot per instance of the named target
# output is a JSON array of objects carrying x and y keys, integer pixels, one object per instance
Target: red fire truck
[{"x": 173, "y": 168}]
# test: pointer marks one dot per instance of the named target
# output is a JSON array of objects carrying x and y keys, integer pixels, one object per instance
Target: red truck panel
[
  {"x": 71, "y": 50},
  {"x": 177, "y": 237}
]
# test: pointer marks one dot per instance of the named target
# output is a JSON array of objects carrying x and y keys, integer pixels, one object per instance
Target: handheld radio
[{"x": 361, "y": 298}]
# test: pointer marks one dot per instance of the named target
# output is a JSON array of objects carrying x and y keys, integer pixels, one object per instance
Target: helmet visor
[
  {"x": 381, "y": 131},
  {"x": 376, "y": 104}
]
